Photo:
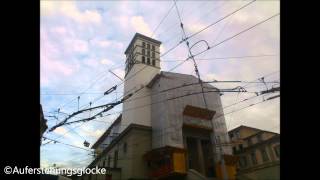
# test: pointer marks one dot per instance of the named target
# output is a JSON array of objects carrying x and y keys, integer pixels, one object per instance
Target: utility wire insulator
[{"x": 110, "y": 90}]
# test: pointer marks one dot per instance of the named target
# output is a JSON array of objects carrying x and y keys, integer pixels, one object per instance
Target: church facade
[{"x": 165, "y": 129}]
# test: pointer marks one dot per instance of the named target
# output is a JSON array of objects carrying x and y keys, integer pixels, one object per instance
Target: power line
[
  {"x": 202, "y": 51},
  {"x": 162, "y": 21},
  {"x": 194, "y": 34},
  {"x": 225, "y": 40},
  {"x": 125, "y": 99},
  {"x": 166, "y": 133},
  {"x": 67, "y": 144},
  {"x": 190, "y": 54},
  {"x": 230, "y": 14}
]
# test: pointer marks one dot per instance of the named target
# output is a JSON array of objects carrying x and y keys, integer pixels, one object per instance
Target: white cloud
[
  {"x": 62, "y": 131},
  {"x": 106, "y": 61},
  {"x": 103, "y": 43},
  {"x": 70, "y": 10},
  {"x": 140, "y": 25},
  {"x": 59, "y": 30},
  {"x": 79, "y": 45}
]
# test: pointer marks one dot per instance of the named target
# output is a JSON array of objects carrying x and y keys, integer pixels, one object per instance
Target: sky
[{"x": 82, "y": 40}]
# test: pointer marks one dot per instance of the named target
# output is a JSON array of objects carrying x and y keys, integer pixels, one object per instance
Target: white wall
[
  {"x": 167, "y": 116},
  {"x": 138, "y": 110}
]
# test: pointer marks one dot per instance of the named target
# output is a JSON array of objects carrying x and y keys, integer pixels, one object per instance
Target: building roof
[
  {"x": 244, "y": 127},
  {"x": 247, "y": 127},
  {"x": 106, "y": 133},
  {"x": 168, "y": 74},
  {"x": 143, "y": 37}
]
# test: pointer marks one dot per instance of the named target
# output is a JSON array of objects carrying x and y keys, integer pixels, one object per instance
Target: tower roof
[{"x": 143, "y": 37}]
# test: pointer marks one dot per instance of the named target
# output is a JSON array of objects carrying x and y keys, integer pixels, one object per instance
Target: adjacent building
[
  {"x": 165, "y": 129},
  {"x": 258, "y": 152}
]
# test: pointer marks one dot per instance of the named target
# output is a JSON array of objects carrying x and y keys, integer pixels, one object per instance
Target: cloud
[
  {"x": 106, "y": 62},
  {"x": 103, "y": 43},
  {"x": 79, "y": 45},
  {"x": 76, "y": 47},
  {"x": 70, "y": 10},
  {"x": 59, "y": 30},
  {"x": 51, "y": 68},
  {"x": 62, "y": 131},
  {"x": 140, "y": 25}
]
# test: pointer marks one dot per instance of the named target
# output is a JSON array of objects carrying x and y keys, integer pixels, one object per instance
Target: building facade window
[
  {"x": 143, "y": 60},
  {"x": 148, "y": 53},
  {"x": 143, "y": 52},
  {"x": 234, "y": 149},
  {"x": 143, "y": 44},
  {"x": 153, "y": 62},
  {"x": 259, "y": 137},
  {"x": 125, "y": 147},
  {"x": 240, "y": 147},
  {"x": 153, "y": 55},
  {"x": 148, "y": 60},
  {"x": 109, "y": 161},
  {"x": 277, "y": 150},
  {"x": 148, "y": 46},
  {"x": 243, "y": 161},
  {"x": 264, "y": 155},
  {"x": 115, "y": 161},
  {"x": 153, "y": 48},
  {"x": 253, "y": 158}
]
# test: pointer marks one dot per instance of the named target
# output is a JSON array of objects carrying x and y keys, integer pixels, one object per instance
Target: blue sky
[{"x": 82, "y": 40}]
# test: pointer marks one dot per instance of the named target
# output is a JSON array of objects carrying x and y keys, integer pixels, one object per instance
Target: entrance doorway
[{"x": 199, "y": 151}]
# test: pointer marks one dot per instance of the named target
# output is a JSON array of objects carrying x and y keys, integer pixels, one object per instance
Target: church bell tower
[{"x": 142, "y": 64}]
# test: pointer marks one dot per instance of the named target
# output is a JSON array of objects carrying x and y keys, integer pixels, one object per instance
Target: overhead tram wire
[
  {"x": 190, "y": 53},
  {"x": 230, "y": 90},
  {"x": 196, "y": 33},
  {"x": 67, "y": 144},
  {"x": 125, "y": 80},
  {"x": 197, "y": 20},
  {"x": 94, "y": 82},
  {"x": 162, "y": 21},
  {"x": 215, "y": 45},
  {"x": 185, "y": 85},
  {"x": 188, "y": 13},
  {"x": 230, "y": 57},
  {"x": 247, "y": 83},
  {"x": 193, "y": 35},
  {"x": 171, "y": 127},
  {"x": 184, "y": 96},
  {"x": 160, "y": 56},
  {"x": 231, "y": 37},
  {"x": 227, "y": 39},
  {"x": 177, "y": 88}
]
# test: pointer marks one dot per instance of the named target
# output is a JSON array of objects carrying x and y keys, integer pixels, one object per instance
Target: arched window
[{"x": 143, "y": 59}]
